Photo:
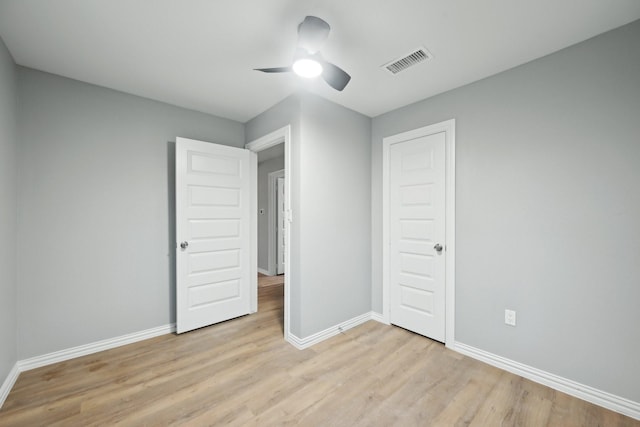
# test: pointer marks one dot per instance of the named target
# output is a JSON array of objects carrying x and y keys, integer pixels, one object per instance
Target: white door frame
[
  {"x": 282, "y": 135},
  {"x": 450, "y": 227},
  {"x": 272, "y": 219}
]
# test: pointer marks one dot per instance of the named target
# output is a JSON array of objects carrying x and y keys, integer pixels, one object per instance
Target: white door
[
  {"x": 280, "y": 227},
  {"x": 213, "y": 233},
  {"x": 417, "y": 234}
]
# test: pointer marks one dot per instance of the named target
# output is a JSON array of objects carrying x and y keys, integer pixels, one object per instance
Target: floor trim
[
  {"x": 265, "y": 272},
  {"x": 378, "y": 318},
  {"x": 83, "y": 350},
  {"x": 302, "y": 343},
  {"x": 598, "y": 397},
  {"x": 8, "y": 383}
]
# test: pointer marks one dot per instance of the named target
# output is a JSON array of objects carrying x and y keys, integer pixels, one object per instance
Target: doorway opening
[
  {"x": 272, "y": 217},
  {"x": 271, "y": 243}
]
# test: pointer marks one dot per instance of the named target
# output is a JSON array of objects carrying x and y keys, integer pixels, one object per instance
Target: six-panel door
[
  {"x": 416, "y": 226},
  {"x": 213, "y": 224}
]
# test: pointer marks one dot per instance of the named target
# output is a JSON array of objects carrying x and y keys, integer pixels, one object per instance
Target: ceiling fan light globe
[{"x": 308, "y": 68}]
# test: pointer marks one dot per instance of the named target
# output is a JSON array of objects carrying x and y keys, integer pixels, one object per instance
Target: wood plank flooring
[
  {"x": 242, "y": 372},
  {"x": 264, "y": 280}
]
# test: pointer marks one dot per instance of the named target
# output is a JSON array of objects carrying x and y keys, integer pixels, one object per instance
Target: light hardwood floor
[
  {"x": 242, "y": 372},
  {"x": 264, "y": 280}
]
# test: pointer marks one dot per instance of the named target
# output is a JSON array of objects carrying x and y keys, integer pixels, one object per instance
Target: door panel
[
  {"x": 417, "y": 224},
  {"x": 213, "y": 198}
]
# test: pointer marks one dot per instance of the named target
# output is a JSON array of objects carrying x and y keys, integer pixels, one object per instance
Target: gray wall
[
  {"x": 264, "y": 169},
  {"x": 8, "y": 212},
  {"x": 331, "y": 230},
  {"x": 96, "y": 210},
  {"x": 335, "y": 214},
  {"x": 548, "y": 202}
]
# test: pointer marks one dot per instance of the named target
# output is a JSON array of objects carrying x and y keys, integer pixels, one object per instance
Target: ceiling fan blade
[
  {"x": 275, "y": 70},
  {"x": 312, "y": 32},
  {"x": 335, "y": 76}
]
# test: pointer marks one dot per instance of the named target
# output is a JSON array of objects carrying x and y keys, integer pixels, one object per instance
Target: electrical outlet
[{"x": 510, "y": 317}]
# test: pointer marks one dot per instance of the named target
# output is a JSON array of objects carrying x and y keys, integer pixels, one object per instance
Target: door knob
[
  {"x": 438, "y": 247},
  {"x": 184, "y": 245}
]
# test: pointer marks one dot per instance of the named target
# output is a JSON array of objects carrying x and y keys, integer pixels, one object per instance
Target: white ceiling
[{"x": 200, "y": 54}]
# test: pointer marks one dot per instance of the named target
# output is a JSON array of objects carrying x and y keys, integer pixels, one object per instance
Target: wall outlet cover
[{"x": 510, "y": 317}]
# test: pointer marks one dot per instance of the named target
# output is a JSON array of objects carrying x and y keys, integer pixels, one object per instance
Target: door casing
[{"x": 449, "y": 128}]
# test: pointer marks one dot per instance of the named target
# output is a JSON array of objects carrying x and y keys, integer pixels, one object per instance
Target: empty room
[{"x": 320, "y": 213}]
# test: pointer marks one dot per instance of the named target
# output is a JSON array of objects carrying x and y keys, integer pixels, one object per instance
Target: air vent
[{"x": 417, "y": 56}]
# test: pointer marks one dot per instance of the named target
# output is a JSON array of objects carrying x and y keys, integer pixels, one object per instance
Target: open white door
[
  {"x": 417, "y": 235},
  {"x": 213, "y": 233},
  {"x": 281, "y": 218}
]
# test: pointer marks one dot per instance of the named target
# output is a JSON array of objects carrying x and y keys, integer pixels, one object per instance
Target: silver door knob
[
  {"x": 438, "y": 247},
  {"x": 184, "y": 245}
]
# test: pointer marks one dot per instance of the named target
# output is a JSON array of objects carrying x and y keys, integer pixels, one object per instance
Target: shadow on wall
[{"x": 171, "y": 195}]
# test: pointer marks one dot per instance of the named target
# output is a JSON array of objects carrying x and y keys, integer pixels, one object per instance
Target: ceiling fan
[{"x": 307, "y": 61}]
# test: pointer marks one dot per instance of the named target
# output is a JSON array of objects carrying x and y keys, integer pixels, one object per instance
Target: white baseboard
[
  {"x": 302, "y": 343},
  {"x": 263, "y": 271},
  {"x": 598, "y": 397},
  {"x": 378, "y": 318},
  {"x": 8, "y": 383},
  {"x": 83, "y": 350}
]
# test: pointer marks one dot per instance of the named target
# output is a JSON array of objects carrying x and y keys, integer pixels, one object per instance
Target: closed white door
[
  {"x": 213, "y": 230},
  {"x": 417, "y": 235},
  {"x": 280, "y": 227}
]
